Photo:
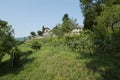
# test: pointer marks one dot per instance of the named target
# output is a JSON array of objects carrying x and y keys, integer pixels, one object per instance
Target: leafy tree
[
  {"x": 6, "y": 38},
  {"x": 33, "y": 34},
  {"x": 66, "y": 24},
  {"x": 92, "y": 9},
  {"x": 107, "y": 30},
  {"x": 57, "y": 30},
  {"x": 111, "y": 2},
  {"x": 109, "y": 18},
  {"x": 40, "y": 33},
  {"x": 65, "y": 17},
  {"x": 73, "y": 23}
]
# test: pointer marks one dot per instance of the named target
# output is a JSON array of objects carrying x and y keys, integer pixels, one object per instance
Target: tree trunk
[
  {"x": 1, "y": 57},
  {"x": 12, "y": 62},
  {"x": 113, "y": 30},
  {"x": 0, "y": 60}
]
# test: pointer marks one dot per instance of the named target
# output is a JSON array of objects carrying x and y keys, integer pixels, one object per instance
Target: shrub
[
  {"x": 80, "y": 43},
  {"x": 15, "y": 56},
  {"x": 35, "y": 45}
]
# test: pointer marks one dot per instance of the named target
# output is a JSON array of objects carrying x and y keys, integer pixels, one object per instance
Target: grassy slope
[{"x": 55, "y": 63}]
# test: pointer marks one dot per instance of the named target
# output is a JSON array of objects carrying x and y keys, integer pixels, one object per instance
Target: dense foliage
[
  {"x": 33, "y": 34},
  {"x": 40, "y": 33},
  {"x": 57, "y": 30},
  {"x": 6, "y": 38},
  {"x": 93, "y": 8},
  {"x": 103, "y": 18},
  {"x": 68, "y": 24},
  {"x": 81, "y": 43},
  {"x": 35, "y": 45},
  {"x": 108, "y": 30}
]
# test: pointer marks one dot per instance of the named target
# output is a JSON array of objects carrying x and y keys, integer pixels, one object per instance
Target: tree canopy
[
  {"x": 68, "y": 24},
  {"x": 33, "y": 34},
  {"x": 93, "y": 8},
  {"x": 6, "y": 38}
]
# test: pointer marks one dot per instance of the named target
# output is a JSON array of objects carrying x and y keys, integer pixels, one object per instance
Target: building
[
  {"x": 77, "y": 30},
  {"x": 46, "y": 30}
]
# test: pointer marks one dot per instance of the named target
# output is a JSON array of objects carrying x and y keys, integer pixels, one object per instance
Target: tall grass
[{"x": 55, "y": 61}]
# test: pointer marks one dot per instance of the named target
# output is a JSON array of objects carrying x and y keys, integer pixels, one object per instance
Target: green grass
[{"x": 59, "y": 63}]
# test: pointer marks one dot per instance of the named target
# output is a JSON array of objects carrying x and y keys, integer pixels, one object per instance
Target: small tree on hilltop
[
  {"x": 33, "y": 34},
  {"x": 66, "y": 23},
  {"x": 40, "y": 33}
]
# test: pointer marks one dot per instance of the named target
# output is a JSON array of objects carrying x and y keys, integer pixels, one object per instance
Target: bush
[
  {"x": 15, "y": 56},
  {"x": 36, "y": 45},
  {"x": 80, "y": 43}
]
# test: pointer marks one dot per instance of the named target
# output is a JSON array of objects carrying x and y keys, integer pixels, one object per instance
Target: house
[
  {"x": 46, "y": 30},
  {"x": 77, "y": 30}
]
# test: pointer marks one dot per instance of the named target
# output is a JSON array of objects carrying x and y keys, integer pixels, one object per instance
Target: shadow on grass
[
  {"x": 7, "y": 67},
  {"x": 107, "y": 66}
]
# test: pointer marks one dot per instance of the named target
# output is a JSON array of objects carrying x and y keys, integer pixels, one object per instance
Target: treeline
[
  {"x": 67, "y": 25},
  {"x": 39, "y": 32}
]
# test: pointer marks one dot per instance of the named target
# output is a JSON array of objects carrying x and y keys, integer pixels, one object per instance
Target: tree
[
  {"x": 65, "y": 17},
  {"x": 40, "y": 33},
  {"x": 66, "y": 24},
  {"x": 7, "y": 41},
  {"x": 92, "y": 9},
  {"x": 111, "y": 2},
  {"x": 73, "y": 23},
  {"x": 33, "y": 34},
  {"x": 110, "y": 18},
  {"x": 43, "y": 29},
  {"x": 107, "y": 30},
  {"x": 57, "y": 30}
]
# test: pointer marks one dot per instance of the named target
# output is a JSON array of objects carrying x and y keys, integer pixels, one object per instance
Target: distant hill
[{"x": 22, "y": 38}]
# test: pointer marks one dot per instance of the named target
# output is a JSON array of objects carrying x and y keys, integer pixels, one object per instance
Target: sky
[{"x": 26, "y": 16}]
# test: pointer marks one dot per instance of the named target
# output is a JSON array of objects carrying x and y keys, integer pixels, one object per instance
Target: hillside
[{"x": 57, "y": 62}]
